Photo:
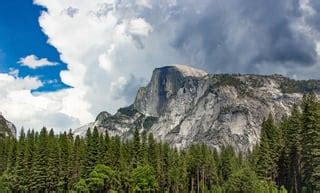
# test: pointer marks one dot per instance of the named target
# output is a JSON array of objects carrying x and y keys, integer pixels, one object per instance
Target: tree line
[{"x": 287, "y": 159}]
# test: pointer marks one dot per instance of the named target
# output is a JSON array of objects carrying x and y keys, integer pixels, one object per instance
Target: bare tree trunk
[
  {"x": 192, "y": 184},
  {"x": 198, "y": 178},
  {"x": 203, "y": 181}
]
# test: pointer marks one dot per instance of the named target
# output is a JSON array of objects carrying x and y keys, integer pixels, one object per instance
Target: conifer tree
[
  {"x": 91, "y": 155},
  {"x": 106, "y": 154},
  {"x": 4, "y": 145},
  {"x": 144, "y": 148},
  {"x": 40, "y": 167},
  {"x": 78, "y": 156},
  {"x": 310, "y": 143},
  {"x": 152, "y": 152},
  {"x": 21, "y": 166},
  {"x": 65, "y": 161},
  {"x": 293, "y": 151},
  {"x": 264, "y": 160},
  {"x": 136, "y": 160},
  {"x": 53, "y": 163},
  {"x": 29, "y": 158}
]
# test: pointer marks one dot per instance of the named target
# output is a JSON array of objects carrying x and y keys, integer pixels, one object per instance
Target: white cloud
[
  {"x": 139, "y": 27},
  {"x": 19, "y": 105},
  {"x": 145, "y": 3},
  {"x": 112, "y": 46},
  {"x": 34, "y": 62},
  {"x": 102, "y": 46}
]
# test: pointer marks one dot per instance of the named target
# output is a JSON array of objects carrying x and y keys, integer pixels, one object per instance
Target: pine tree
[
  {"x": 273, "y": 135},
  {"x": 227, "y": 162},
  {"x": 152, "y": 152},
  {"x": 115, "y": 155},
  {"x": 12, "y": 154},
  {"x": 78, "y": 155},
  {"x": 136, "y": 160},
  {"x": 264, "y": 160},
  {"x": 144, "y": 148},
  {"x": 164, "y": 167},
  {"x": 102, "y": 149},
  {"x": 29, "y": 158},
  {"x": 177, "y": 172},
  {"x": 21, "y": 166},
  {"x": 4, "y": 145},
  {"x": 293, "y": 151},
  {"x": 53, "y": 163},
  {"x": 40, "y": 167},
  {"x": 65, "y": 145},
  {"x": 107, "y": 160},
  {"x": 91, "y": 155},
  {"x": 310, "y": 143}
]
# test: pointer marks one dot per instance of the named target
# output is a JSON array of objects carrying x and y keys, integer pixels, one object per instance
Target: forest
[{"x": 287, "y": 159}]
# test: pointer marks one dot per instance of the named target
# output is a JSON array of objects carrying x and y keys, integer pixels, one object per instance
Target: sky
[{"x": 62, "y": 62}]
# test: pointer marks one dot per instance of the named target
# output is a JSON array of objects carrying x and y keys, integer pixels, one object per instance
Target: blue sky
[
  {"x": 20, "y": 36},
  {"x": 62, "y": 62}
]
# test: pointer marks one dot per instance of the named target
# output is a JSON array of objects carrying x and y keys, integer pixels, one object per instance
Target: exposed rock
[
  {"x": 183, "y": 105},
  {"x": 6, "y": 127}
]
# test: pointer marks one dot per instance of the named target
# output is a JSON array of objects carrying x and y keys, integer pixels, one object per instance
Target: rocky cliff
[
  {"x": 183, "y": 105},
  {"x": 6, "y": 127}
]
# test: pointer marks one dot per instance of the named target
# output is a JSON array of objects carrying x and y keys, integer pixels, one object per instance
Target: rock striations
[
  {"x": 183, "y": 105},
  {"x": 6, "y": 127}
]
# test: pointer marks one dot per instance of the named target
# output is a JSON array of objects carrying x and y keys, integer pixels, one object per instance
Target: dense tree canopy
[{"x": 287, "y": 158}]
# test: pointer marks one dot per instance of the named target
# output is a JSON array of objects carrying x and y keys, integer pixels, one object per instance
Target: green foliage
[
  {"x": 299, "y": 86},
  {"x": 268, "y": 155},
  {"x": 245, "y": 181},
  {"x": 310, "y": 143},
  {"x": 287, "y": 157},
  {"x": 143, "y": 179},
  {"x": 81, "y": 186}
]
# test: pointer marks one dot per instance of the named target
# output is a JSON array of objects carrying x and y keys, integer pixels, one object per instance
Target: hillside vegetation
[{"x": 286, "y": 160}]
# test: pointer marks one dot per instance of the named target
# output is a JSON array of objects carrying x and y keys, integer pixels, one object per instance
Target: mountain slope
[
  {"x": 6, "y": 127},
  {"x": 183, "y": 105}
]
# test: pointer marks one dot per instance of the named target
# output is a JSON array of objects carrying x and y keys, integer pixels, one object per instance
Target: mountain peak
[
  {"x": 183, "y": 105},
  {"x": 188, "y": 70}
]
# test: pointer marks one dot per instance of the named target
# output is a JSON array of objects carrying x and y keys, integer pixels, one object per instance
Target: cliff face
[
  {"x": 183, "y": 105},
  {"x": 6, "y": 128}
]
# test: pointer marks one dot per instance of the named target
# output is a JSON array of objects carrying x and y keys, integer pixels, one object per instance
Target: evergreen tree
[
  {"x": 310, "y": 143},
  {"x": 136, "y": 149},
  {"x": 264, "y": 159},
  {"x": 21, "y": 165},
  {"x": 115, "y": 152},
  {"x": 40, "y": 167},
  {"x": 65, "y": 161},
  {"x": 91, "y": 155},
  {"x": 293, "y": 151},
  {"x": 144, "y": 148},
  {"x": 152, "y": 152},
  {"x": 53, "y": 163},
  {"x": 78, "y": 155},
  {"x": 29, "y": 158}
]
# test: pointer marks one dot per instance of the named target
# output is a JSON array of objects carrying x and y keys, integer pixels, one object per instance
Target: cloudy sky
[{"x": 64, "y": 61}]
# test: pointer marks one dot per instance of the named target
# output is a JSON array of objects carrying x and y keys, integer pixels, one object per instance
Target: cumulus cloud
[
  {"x": 112, "y": 46},
  {"x": 34, "y": 62},
  {"x": 19, "y": 105}
]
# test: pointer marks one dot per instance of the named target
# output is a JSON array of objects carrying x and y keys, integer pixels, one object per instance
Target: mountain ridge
[{"x": 184, "y": 105}]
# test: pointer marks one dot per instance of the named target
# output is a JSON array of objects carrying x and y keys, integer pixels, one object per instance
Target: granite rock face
[
  {"x": 6, "y": 127},
  {"x": 183, "y": 105}
]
